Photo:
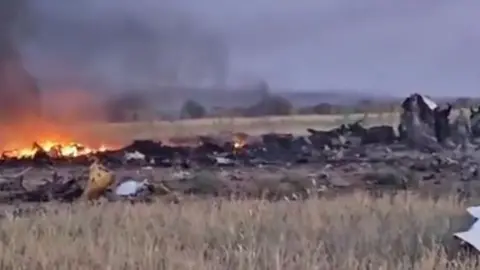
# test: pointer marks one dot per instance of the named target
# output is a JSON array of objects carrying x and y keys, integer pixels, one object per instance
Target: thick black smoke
[{"x": 122, "y": 44}]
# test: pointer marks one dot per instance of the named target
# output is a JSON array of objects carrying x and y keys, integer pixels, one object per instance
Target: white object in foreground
[
  {"x": 131, "y": 187},
  {"x": 472, "y": 235},
  {"x": 134, "y": 156}
]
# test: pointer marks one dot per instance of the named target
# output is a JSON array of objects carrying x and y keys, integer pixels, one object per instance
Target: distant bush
[
  {"x": 126, "y": 107},
  {"x": 323, "y": 108},
  {"x": 270, "y": 105},
  {"x": 192, "y": 110}
]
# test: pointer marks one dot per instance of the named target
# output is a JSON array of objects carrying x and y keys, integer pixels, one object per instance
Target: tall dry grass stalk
[{"x": 349, "y": 232}]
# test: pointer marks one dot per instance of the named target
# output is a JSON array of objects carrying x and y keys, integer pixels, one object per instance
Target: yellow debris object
[{"x": 99, "y": 179}]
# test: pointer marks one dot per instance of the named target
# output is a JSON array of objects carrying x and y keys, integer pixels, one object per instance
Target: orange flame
[
  {"x": 53, "y": 149},
  {"x": 239, "y": 140},
  {"x": 55, "y": 140}
]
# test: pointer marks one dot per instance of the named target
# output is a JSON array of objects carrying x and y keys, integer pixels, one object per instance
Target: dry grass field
[
  {"x": 119, "y": 134},
  {"x": 296, "y": 124},
  {"x": 349, "y": 232}
]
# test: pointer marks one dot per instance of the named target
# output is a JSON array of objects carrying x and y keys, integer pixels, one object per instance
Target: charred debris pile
[
  {"x": 427, "y": 149},
  {"x": 425, "y": 127},
  {"x": 347, "y": 143}
]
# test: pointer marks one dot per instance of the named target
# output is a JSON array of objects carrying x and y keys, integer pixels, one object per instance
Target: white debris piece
[
  {"x": 429, "y": 102},
  {"x": 135, "y": 155},
  {"x": 474, "y": 211},
  {"x": 223, "y": 161},
  {"x": 131, "y": 187},
  {"x": 472, "y": 235}
]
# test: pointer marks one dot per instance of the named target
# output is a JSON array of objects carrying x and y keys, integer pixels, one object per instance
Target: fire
[
  {"x": 239, "y": 140},
  {"x": 53, "y": 149},
  {"x": 27, "y": 138},
  {"x": 238, "y": 145},
  {"x": 61, "y": 129}
]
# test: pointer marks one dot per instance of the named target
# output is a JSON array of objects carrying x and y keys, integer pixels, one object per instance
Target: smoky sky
[{"x": 389, "y": 46}]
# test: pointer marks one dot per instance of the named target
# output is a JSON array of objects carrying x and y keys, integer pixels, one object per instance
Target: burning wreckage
[{"x": 424, "y": 150}]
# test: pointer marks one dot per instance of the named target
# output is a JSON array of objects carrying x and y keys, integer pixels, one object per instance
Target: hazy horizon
[{"x": 396, "y": 46}]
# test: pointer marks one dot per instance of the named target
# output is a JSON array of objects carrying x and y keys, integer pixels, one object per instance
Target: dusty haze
[{"x": 395, "y": 47}]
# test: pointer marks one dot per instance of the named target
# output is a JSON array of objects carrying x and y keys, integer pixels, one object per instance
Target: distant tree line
[
  {"x": 132, "y": 108},
  {"x": 271, "y": 105}
]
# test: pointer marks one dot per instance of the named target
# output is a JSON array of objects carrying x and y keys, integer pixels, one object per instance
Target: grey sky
[{"x": 396, "y": 46}]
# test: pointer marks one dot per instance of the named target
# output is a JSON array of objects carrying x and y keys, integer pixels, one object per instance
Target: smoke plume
[
  {"x": 391, "y": 46},
  {"x": 123, "y": 44}
]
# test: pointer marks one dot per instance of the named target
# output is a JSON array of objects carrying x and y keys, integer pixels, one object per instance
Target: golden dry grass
[
  {"x": 295, "y": 124},
  {"x": 350, "y": 232},
  {"x": 121, "y": 133}
]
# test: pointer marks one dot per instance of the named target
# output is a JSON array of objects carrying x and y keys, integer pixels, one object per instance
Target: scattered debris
[
  {"x": 99, "y": 179},
  {"x": 351, "y": 155},
  {"x": 472, "y": 235},
  {"x": 135, "y": 155},
  {"x": 133, "y": 188}
]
